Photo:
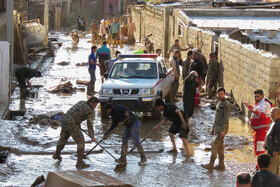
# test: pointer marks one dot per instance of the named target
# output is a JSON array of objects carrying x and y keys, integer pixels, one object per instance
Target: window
[
  {"x": 159, "y": 68},
  {"x": 180, "y": 31},
  {"x": 142, "y": 70}
]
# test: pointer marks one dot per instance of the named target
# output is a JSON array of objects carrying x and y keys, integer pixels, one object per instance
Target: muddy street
[{"x": 31, "y": 145}]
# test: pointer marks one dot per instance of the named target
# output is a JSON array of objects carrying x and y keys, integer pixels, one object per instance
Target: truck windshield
[{"x": 142, "y": 70}]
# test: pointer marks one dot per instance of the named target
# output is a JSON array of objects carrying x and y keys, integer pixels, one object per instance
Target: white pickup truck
[{"x": 137, "y": 81}]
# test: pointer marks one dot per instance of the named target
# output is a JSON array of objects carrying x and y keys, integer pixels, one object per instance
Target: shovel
[
  {"x": 101, "y": 146},
  {"x": 101, "y": 140}
]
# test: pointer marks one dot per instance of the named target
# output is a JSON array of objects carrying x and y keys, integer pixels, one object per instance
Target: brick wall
[
  {"x": 154, "y": 24},
  {"x": 157, "y": 21},
  {"x": 246, "y": 69},
  {"x": 149, "y": 21},
  {"x": 198, "y": 38},
  {"x": 136, "y": 14}
]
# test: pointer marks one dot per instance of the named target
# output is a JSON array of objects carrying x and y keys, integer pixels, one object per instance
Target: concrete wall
[
  {"x": 246, "y": 69},
  {"x": 5, "y": 68},
  {"x": 2, "y": 26}
]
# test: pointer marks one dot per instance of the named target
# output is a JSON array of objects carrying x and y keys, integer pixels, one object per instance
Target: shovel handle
[{"x": 102, "y": 140}]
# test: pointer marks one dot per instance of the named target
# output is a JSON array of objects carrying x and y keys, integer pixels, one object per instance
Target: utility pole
[
  {"x": 46, "y": 19},
  {"x": 10, "y": 39}
]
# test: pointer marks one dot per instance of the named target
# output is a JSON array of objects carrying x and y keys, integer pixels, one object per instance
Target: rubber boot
[
  {"x": 80, "y": 163},
  {"x": 90, "y": 89},
  {"x": 23, "y": 92},
  {"x": 57, "y": 153},
  {"x": 221, "y": 165},
  {"x": 209, "y": 166},
  {"x": 142, "y": 155},
  {"x": 122, "y": 159}
]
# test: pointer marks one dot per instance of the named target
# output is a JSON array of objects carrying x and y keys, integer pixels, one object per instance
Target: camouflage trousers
[
  {"x": 217, "y": 147},
  {"x": 75, "y": 132}
]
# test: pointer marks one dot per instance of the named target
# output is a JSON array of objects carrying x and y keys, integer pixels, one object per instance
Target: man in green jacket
[
  {"x": 103, "y": 54},
  {"x": 220, "y": 129},
  {"x": 115, "y": 30}
]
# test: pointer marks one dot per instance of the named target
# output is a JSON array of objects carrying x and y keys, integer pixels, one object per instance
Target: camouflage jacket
[
  {"x": 76, "y": 114},
  {"x": 222, "y": 117},
  {"x": 213, "y": 69}
]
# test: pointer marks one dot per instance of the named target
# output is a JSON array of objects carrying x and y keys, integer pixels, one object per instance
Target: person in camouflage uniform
[
  {"x": 212, "y": 74},
  {"x": 220, "y": 129},
  {"x": 70, "y": 126}
]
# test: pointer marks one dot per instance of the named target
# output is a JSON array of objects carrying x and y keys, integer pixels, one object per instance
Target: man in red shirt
[{"x": 260, "y": 120}]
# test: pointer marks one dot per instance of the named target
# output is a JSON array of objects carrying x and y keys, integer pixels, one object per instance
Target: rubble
[
  {"x": 51, "y": 118},
  {"x": 82, "y": 82},
  {"x": 66, "y": 87},
  {"x": 82, "y": 64},
  {"x": 63, "y": 63},
  {"x": 3, "y": 156}
]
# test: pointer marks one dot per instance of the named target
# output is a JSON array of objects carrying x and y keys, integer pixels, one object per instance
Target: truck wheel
[
  {"x": 169, "y": 98},
  {"x": 156, "y": 115},
  {"x": 104, "y": 114}
]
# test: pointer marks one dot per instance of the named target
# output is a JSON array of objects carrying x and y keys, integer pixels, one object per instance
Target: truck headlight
[
  {"x": 107, "y": 91},
  {"x": 147, "y": 91}
]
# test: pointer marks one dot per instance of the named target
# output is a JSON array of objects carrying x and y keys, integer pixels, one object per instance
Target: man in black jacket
[
  {"x": 189, "y": 91},
  {"x": 264, "y": 177},
  {"x": 24, "y": 74},
  {"x": 197, "y": 65},
  {"x": 273, "y": 141},
  {"x": 122, "y": 115}
]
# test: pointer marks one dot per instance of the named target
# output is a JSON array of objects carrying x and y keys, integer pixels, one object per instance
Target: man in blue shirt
[
  {"x": 103, "y": 54},
  {"x": 91, "y": 69}
]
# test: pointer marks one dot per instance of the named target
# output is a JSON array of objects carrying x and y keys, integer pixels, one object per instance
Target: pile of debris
[
  {"x": 66, "y": 87},
  {"x": 51, "y": 118},
  {"x": 82, "y": 64},
  {"x": 63, "y": 63},
  {"x": 82, "y": 82}
]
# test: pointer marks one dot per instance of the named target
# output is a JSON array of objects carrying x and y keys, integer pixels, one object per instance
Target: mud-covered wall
[{"x": 246, "y": 69}]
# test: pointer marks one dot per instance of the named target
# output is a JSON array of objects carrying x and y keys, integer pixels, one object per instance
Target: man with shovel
[
  {"x": 70, "y": 126},
  {"x": 122, "y": 115},
  {"x": 179, "y": 123}
]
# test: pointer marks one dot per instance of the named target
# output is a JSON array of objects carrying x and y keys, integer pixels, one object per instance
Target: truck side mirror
[{"x": 162, "y": 75}]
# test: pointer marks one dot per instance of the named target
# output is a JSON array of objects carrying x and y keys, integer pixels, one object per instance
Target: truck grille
[{"x": 126, "y": 91}]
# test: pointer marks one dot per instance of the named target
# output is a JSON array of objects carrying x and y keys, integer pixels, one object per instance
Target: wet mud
[{"x": 31, "y": 144}]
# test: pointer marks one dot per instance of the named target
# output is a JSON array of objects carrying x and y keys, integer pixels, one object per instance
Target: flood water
[{"x": 32, "y": 145}]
